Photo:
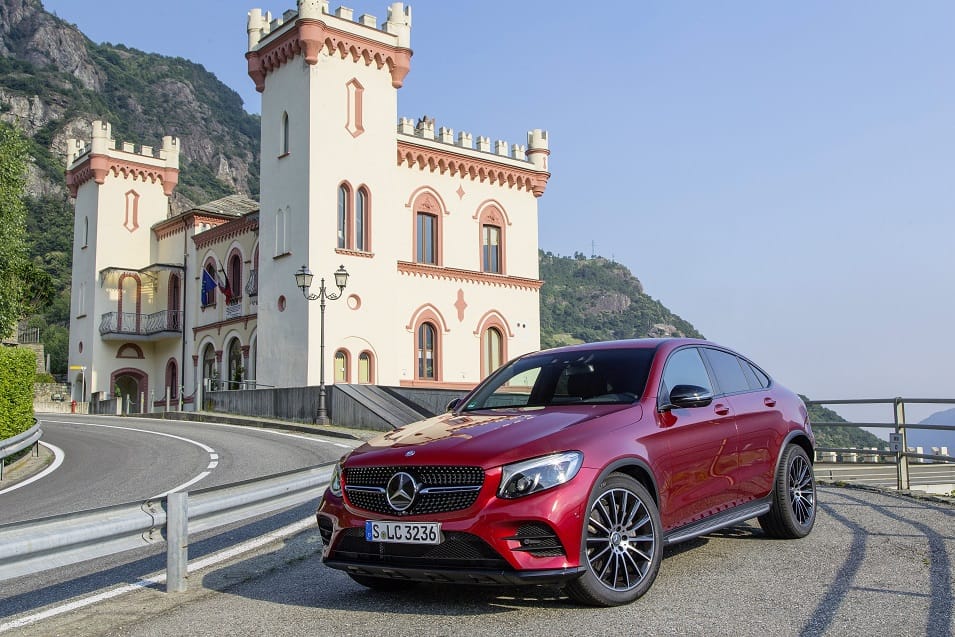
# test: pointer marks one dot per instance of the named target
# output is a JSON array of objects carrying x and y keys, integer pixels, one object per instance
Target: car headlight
[
  {"x": 530, "y": 476},
  {"x": 335, "y": 484}
]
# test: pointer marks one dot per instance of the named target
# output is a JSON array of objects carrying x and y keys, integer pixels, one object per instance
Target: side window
[
  {"x": 684, "y": 367},
  {"x": 729, "y": 372},
  {"x": 761, "y": 378}
]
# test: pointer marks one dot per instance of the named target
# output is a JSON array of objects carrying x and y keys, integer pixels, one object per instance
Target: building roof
[{"x": 233, "y": 205}]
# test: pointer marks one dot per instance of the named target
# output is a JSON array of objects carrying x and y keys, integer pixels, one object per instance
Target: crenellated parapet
[
  {"x": 311, "y": 30},
  {"x": 94, "y": 161},
  {"x": 514, "y": 165}
]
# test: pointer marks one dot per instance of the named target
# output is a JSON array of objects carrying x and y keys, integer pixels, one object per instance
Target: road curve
[
  {"x": 876, "y": 564},
  {"x": 109, "y": 460}
]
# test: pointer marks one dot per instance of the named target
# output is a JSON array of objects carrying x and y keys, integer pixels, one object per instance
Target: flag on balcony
[
  {"x": 208, "y": 288},
  {"x": 224, "y": 286}
]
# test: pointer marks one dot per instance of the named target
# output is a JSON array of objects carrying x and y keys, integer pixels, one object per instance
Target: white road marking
[
  {"x": 150, "y": 582},
  {"x": 58, "y": 457}
]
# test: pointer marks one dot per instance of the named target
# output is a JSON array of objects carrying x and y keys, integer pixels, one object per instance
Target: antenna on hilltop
[{"x": 593, "y": 250}]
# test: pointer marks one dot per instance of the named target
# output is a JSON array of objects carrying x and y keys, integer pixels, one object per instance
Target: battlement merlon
[
  {"x": 312, "y": 29},
  {"x": 101, "y": 156},
  {"x": 535, "y": 153}
]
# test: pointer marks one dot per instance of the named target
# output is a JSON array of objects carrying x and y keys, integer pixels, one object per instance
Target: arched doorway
[
  {"x": 130, "y": 386},
  {"x": 210, "y": 377}
]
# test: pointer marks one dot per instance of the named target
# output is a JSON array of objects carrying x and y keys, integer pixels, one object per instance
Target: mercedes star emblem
[{"x": 401, "y": 491}]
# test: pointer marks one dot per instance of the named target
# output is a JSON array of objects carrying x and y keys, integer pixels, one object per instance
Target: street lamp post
[{"x": 303, "y": 279}]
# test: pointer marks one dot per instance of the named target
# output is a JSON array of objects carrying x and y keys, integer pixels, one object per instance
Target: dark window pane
[
  {"x": 684, "y": 367},
  {"x": 729, "y": 373}
]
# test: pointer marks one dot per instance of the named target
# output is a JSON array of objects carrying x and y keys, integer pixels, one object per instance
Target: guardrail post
[
  {"x": 177, "y": 541},
  {"x": 902, "y": 465}
]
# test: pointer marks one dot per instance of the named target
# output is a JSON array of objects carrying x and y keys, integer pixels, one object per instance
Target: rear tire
[
  {"x": 383, "y": 584},
  {"x": 793, "y": 510},
  {"x": 621, "y": 544}
]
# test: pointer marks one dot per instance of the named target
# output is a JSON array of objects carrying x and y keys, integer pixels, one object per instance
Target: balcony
[{"x": 129, "y": 326}]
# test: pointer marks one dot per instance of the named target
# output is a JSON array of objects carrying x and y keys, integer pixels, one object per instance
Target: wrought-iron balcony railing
[{"x": 141, "y": 324}]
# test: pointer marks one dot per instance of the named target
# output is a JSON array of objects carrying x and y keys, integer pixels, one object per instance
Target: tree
[{"x": 13, "y": 151}]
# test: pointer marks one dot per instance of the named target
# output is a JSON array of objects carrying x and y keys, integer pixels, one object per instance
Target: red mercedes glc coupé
[{"x": 575, "y": 465}]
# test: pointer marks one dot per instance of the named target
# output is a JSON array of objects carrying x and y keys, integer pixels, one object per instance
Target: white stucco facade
[{"x": 437, "y": 232}]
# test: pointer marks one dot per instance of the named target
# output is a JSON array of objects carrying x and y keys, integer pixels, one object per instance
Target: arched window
[
  {"x": 492, "y": 350},
  {"x": 86, "y": 231},
  {"x": 210, "y": 374},
  {"x": 365, "y": 368},
  {"x": 281, "y": 232},
  {"x": 491, "y": 249},
  {"x": 344, "y": 195},
  {"x": 235, "y": 276},
  {"x": 426, "y": 238},
  {"x": 285, "y": 134},
  {"x": 209, "y": 284},
  {"x": 361, "y": 220},
  {"x": 236, "y": 371},
  {"x": 172, "y": 379},
  {"x": 174, "y": 319},
  {"x": 493, "y": 240},
  {"x": 341, "y": 366},
  {"x": 427, "y": 352}
]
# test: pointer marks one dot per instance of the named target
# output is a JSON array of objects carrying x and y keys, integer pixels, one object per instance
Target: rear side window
[
  {"x": 761, "y": 378},
  {"x": 684, "y": 367},
  {"x": 729, "y": 371}
]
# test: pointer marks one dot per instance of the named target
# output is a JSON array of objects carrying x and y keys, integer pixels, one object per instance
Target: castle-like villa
[{"x": 438, "y": 234}]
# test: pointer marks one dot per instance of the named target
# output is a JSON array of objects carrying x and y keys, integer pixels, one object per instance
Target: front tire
[
  {"x": 793, "y": 511},
  {"x": 621, "y": 545}
]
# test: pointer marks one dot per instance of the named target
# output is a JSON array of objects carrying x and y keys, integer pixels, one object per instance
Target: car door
[
  {"x": 759, "y": 423},
  {"x": 701, "y": 459}
]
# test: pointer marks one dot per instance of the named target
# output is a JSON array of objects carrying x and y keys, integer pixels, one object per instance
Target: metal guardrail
[
  {"x": 37, "y": 545},
  {"x": 898, "y": 448},
  {"x": 19, "y": 442}
]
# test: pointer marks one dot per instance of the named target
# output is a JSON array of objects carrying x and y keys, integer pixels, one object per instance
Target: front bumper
[{"x": 530, "y": 540}]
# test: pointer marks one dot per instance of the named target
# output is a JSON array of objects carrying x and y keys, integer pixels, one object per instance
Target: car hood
[{"x": 486, "y": 439}]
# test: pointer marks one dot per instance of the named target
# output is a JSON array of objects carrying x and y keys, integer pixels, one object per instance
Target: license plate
[{"x": 403, "y": 532}]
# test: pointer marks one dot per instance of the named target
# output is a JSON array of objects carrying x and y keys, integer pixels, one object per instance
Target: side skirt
[{"x": 721, "y": 520}]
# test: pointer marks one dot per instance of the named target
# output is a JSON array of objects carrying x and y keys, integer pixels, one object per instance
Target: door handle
[
  {"x": 769, "y": 402},
  {"x": 721, "y": 409}
]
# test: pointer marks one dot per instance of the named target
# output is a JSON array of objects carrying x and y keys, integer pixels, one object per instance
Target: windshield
[{"x": 579, "y": 377}]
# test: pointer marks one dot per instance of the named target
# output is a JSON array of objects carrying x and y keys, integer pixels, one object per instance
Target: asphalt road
[
  {"x": 109, "y": 460},
  {"x": 875, "y": 564}
]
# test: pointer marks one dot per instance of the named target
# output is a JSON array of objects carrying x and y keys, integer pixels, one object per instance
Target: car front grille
[{"x": 440, "y": 488}]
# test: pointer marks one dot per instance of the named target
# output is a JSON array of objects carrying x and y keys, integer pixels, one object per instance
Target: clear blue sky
[{"x": 779, "y": 174}]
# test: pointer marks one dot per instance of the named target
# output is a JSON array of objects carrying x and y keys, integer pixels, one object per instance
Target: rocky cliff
[{"x": 54, "y": 81}]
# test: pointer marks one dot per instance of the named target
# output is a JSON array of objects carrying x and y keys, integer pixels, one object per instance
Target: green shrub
[
  {"x": 17, "y": 371},
  {"x": 44, "y": 378}
]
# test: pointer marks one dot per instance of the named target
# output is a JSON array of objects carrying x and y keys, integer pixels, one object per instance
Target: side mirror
[
  {"x": 453, "y": 404},
  {"x": 688, "y": 396}
]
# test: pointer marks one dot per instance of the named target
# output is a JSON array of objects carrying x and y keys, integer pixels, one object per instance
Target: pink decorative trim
[
  {"x": 368, "y": 207},
  {"x": 139, "y": 299},
  {"x": 493, "y": 203},
  {"x": 437, "y": 207},
  {"x": 354, "y": 90},
  {"x": 476, "y": 169},
  {"x": 96, "y": 167},
  {"x": 309, "y": 37},
  {"x": 226, "y": 230},
  {"x": 430, "y": 313},
  {"x": 493, "y": 318},
  {"x": 131, "y": 222},
  {"x": 460, "y": 305},
  {"x": 427, "y": 202},
  {"x": 456, "y": 274},
  {"x": 355, "y": 253},
  {"x": 136, "y": 350},
  {"x": 218, "y": 325},
  {"x": 173, "y": 226}
]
